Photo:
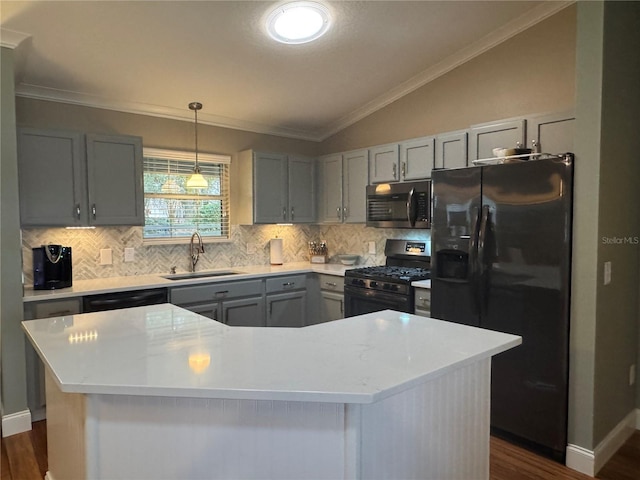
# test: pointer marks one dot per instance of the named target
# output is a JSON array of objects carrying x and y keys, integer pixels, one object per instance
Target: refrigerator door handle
[
  {"x": 473, "y": 260},
  {"x": 481, "y": 265}
]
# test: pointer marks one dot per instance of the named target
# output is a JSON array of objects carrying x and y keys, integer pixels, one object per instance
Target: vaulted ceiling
[{"x": 155, "y": 57}]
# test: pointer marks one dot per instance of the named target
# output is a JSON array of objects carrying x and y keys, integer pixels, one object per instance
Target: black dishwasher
[{"x": 113, "y": 301}]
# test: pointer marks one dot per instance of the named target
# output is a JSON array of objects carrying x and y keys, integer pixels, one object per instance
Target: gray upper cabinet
[
  {"x": 69, "y": 179},
  {"x": 483, "y": 138},
  {"x": 115, "y": 180},
  {"x": 355, "y": 177},
  {"x": 274, "y": 188},
  {"x": 302, "y": 184},
  {"x": 551, "y": 133},
  {"x": 416, "y": 158},
  {"x": 383, "y": 163},
  {"x": 451, "y": 149},
  {"x": 330, "y": 188},
  {"x": 270, "y": 184}
]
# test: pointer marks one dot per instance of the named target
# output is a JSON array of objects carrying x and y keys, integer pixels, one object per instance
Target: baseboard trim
[
  {"x": 590, "y": 462},
  {"x": 15, "y": 423}
]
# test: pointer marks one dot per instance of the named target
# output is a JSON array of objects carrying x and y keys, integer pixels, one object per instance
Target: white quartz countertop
[
  {"x": 421, "y": 283},
  {"x": 142, "y": 282},
  {"x": 164, "y": 350}
]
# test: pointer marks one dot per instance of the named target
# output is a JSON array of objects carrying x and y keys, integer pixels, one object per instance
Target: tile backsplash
[{"x": 149, "y": 259}]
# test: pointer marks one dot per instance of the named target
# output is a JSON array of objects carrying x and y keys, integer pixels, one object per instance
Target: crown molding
[
  {"x": 532, "y": 17},
  {"x": 94, "y": 101},
  {"x": 498, "y": 36},
  {"x": 11, "y": 39}
]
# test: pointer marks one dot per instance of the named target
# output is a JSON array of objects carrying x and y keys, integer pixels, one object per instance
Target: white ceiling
[{"x": 155, "y": 57}]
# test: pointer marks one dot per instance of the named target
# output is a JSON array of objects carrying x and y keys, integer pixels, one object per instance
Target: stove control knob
[
  {"x": 359, "y": 282},
  {"x": 373, "y": 284},
  {"x": 393, "y": 288}
]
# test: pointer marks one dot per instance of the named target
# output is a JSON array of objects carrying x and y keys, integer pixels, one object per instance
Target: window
[{"x": 171, "y": 211}]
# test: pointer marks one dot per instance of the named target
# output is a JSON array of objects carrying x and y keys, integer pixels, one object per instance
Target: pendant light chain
[{"x": 196, "y": 180}]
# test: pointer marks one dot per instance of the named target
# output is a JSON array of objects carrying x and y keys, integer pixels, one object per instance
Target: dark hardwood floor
[{"x": 24, "y": 457}]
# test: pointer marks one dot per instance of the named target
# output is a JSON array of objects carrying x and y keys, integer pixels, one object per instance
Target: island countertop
[{"x": 164, "y": 350}]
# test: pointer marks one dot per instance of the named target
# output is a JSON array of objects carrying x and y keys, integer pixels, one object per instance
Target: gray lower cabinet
[
  {"x": 422, "y": 302},
  {"x": 331, "y": 298},
  {"x": 286, "y": 301},
  {"x": 72, "y": 179},
  {"x": 239, "y": 304},
  {"x": 36, "y": 400}
]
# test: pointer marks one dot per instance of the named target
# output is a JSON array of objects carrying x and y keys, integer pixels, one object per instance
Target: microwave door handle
[{"x": 411, "y": 211}]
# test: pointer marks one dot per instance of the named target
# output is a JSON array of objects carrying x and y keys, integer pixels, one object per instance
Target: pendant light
[{"x": 196, "y": 180}]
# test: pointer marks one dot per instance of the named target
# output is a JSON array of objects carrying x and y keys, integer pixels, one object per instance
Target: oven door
[{"x": 358, "y": 301}]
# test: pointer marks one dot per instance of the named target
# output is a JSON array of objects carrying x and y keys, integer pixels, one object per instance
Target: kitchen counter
[
  {"x": 421, "y": 284},
  {"x": 143, "y": 282},
  {"x": 335, "y": 400}
]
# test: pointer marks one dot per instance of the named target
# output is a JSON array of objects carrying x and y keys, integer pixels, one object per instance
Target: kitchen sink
[{"x": 186, "y": 276}]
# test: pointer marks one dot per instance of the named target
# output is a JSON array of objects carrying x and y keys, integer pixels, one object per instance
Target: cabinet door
[
  {"x": 332, "y": 306},
  {"x": 552, "y": 133},
  {"x": 287, "y": 309},
  {"x": 422, "y": 301},
  {"x": 416, "y": 159},
  {"x": 355, "y": 177},
  {"x": 302, "y": 189},
  {"x": 451, "y": 150},
  {"x": 487, "y": 136},
  {"x": 383, "y": 163},
  {"x": 210, "y": 310},
  {"x": 270, "y": 188},
  {"x": 245, "y": 312},
  {"x": 330, "y": 189},
  {"x": 114, "y": 180},
  {"x": 51, "y": 173}
]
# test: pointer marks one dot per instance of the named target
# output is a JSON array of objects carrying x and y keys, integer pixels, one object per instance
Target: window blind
[{"x": 173, "y": 211}]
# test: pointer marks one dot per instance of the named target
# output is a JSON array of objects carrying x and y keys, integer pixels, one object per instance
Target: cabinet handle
[
  {"x": 331, "y": 284},
  {"x": 292, "y": 216},
  {"x": 78, "y": 210},
  {"x": 288, "y": 284},
  {"x": 61, "y": 313},
  {"x": 338, "y": 212},
  {"x": 215, "y": 314},
  {"x": 221, "y": 293},
  {"x": 404, "y": 169},
  {"x": 345, "y": 213},
  {"x": 342, "y": 307},
  {"x": 270, "y": 309},
  {"x": 395, "y": 170},
  {"x": 534, "y": 146},
  {"x": 284, "y": 213},
  {"x": 93, "y": 211}
]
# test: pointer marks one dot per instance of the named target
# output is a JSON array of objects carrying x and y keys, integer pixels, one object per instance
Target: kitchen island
[{"x": 161, "y": 392}]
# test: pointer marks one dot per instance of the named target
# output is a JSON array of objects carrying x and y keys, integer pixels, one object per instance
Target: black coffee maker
[{"x": 51, "y": 267}]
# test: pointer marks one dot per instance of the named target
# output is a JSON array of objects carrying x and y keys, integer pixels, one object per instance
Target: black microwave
[{"x": 399, "y": 205}]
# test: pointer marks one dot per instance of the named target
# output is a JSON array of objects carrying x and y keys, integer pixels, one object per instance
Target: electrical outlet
[
  {"x": 372, "y": 248},
  {"x": 129, "y": 254},
  {"x": 607, "y": 273},
  {"x": 632, "y": 374},
  {"x": 106, "y": 256}
]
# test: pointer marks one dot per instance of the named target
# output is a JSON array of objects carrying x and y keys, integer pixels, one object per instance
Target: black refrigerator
[{"x": 501, "y": 259}]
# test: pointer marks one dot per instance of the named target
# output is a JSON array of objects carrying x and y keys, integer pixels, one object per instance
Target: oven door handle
[{"x": 364, "y": 293}]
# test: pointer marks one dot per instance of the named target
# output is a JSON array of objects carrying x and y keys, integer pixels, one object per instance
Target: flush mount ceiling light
[{"x": 298, "y": 22}]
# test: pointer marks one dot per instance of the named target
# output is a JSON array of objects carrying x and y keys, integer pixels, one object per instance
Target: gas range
[{"x": 371, "y": 289}]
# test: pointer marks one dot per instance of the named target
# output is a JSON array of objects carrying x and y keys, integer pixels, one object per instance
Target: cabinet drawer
[
  {"x": 290, "y": 282},
  {"x": 215, "y": 291},
  {"x": 331, "y": 282},
  {"x": 423, "y": 299},
  {"x": 54, "y": 308}
]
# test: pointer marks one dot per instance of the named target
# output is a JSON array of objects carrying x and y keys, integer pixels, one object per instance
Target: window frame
[{"x": 183, "y": 155}]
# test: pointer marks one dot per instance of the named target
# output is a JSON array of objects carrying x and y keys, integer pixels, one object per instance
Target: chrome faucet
[{"x": 195, "y": 252}]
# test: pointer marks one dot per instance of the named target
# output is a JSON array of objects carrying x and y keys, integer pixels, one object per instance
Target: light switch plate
[
  {"x": 372, "y": 248},
  {"x": 106, "y": 256},
  {"x": 129, "y": 254}
]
